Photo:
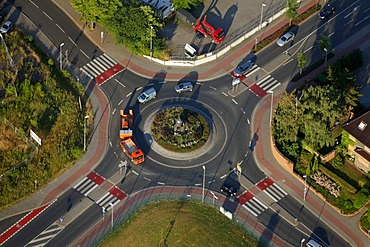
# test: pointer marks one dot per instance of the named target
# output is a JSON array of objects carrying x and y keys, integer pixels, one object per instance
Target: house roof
[{"x": 359, "y": 128}]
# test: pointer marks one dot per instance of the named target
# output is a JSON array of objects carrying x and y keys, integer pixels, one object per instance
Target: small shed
[{"x": 186, "y": 17}]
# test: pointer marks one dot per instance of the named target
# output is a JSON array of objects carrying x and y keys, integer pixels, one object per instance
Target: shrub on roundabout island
[{"x": 180, "y": 129}]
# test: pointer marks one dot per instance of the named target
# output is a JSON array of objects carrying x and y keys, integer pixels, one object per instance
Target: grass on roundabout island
[{"x": 178, "y": 223}]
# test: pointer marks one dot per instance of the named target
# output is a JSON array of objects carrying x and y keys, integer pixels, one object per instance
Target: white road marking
[
  {"x": 225, "y": 94},
  {"x": 34, "y": 4},
  {"x": 162, "y": 82},
  {"x": 354, "y": 10},
  {"x": 235, "y": 102},
  {"x": 197, "y": 184},
  {"x": 199, "y": 83},
  {"x": 223, "y": 176},
  {"x": 213, "y": 88},
  {"x": 128, "y": 95},
  {"x": 287, "y": 62},
  {"x": 119, "y": 103},
  {"x": 139, "y": 88},
  {"x": 366, "y": 10},
  {"x": 84, "y": 54},
  {"x": 114, "y": 111},
  {"x": 47, "y": 15},
  {"x": 147, "y": 179},
  {"x": 115, "y": 154},
  {"x": 161, "y": 183},
  {"x": 242, "y": 110},
  {"x": 249, "y": 122},
  {"x": 307, "y": 49},
  {"x": 110, "y": 143},
  {"x": 72, "y": 41},
  {"x": 119, "y": 83},
  {"x": 211, "y": 181},
  {"x": 150, "y": 84},
  {"x": 134, "y": 172},
  {"x": 331, "y": 34},
  {"x": 364, "y": 19},
  {"x": 61, "y": 29}
]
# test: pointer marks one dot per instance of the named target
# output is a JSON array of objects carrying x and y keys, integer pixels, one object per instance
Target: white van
[{"x": 147, "y": 95}]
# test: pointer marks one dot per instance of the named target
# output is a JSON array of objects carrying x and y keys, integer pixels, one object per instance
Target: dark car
[
  {"x": 326, "y": 12},
  {"x": 243, "y": 68},
  {"x": 231, "y": 185}
]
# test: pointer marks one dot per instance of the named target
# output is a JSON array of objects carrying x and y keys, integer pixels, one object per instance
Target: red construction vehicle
[
  {"x": 132, "y": 151},
  {"x": 217, "y": 35},
  {"x": 127, "y": 122},
  {"x": 126, "y": 134}
]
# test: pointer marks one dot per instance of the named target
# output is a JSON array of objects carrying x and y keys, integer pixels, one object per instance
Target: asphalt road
[{"x": 229, "y": 114}]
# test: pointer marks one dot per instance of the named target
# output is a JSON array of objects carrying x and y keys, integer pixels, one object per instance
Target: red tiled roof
[{"x": 353, "y": 129}]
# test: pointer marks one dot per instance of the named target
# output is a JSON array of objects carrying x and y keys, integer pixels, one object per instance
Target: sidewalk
[{"x": 148, "y": 69}]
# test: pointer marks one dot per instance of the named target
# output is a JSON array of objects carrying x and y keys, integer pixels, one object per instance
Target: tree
[
  {"x": 324, "y": 44},
  {"x": 96, "y": 10},
  {"x": 291, "y": 10},
  {"x": 301, "y": 60},
  {"x": 186, "y": 4}
]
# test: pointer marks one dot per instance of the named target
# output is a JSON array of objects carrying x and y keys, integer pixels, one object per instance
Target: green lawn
[{"x": 174, "y": 223}]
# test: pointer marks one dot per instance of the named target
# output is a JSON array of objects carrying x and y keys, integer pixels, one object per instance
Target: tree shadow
[{"x": 268, "y": 232}]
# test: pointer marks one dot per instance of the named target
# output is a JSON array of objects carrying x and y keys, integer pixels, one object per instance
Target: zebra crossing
[
  {"x": 251, "y": 71},
  {"x": 252, "y": 203},
  {"x": 102, "y": 68},
  {"x": 111, "y": 198},
  {"x": 273, "y": 190},
  {"x": 266, "y": 84},
  {"x": 89, "y": 183},
  {"x": 44, "y": 237}
]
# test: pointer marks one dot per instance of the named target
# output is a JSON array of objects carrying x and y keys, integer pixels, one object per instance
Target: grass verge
[{"x": 178, "y": 223}]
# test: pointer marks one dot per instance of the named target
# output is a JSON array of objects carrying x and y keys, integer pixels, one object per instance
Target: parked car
[
  {"x": 184, "y": 87},
  {"x": 147, "y": 95},
  {"x": 6, "y": 27},
  {"x": 326, "y": 11},
  {"x": 243, "y": 68},
  {"x": 284, "y": 39}
]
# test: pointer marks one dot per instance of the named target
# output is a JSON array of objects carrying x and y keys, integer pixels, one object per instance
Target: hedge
[{"x": 338, "y": 179}]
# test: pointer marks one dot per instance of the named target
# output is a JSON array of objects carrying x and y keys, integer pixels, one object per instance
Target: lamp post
[
  {"x": 305, "y": 187},
  {"x": 111, "y": 204},
  {"x": 61, "y": 55},
  {"x": 86, "y": 117},
  {"x": 214, "y": 197},
  {"x": 151, "y": 42},
  {"x": 263, "y": 5},
  {"x": 326, "y": 55},
  {"x": 272, "y": 102},
  {"x": 302, "y": 241},
  {"x": 204, "y": 180}
]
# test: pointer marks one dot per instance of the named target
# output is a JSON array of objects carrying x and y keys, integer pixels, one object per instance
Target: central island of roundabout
[{"x": 180, "y": 134}]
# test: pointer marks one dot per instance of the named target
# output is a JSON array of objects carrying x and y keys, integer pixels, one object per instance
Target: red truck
[
  {"x": 203, "y": 27},
  {"x": 126, "y": 134}
]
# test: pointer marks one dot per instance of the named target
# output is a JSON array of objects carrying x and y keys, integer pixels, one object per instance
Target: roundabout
[{"x": 212, "y": 147}]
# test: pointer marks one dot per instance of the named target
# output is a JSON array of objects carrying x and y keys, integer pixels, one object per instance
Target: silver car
[
  {"x": 6, "y": 27},
  {"x": 184, "y": 87},
  {"x": 147, "y": 95},
  {"x": 289, "y": 36}
]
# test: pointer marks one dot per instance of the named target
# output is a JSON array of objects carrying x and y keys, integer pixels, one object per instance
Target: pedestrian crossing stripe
[
  {"x": 44, "y": 237},
  {"x": 275, "y": 192},
  {"x": 255, "y": 206},
  {"x": 102, "y": 68},
  {"x": 106, "y": 200},
  {"x": 85, "y": 186},
  {"x": 254, "y": 69}
]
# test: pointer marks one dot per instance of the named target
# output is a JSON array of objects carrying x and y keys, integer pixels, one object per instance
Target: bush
[{"x": 360, "y": 200}]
